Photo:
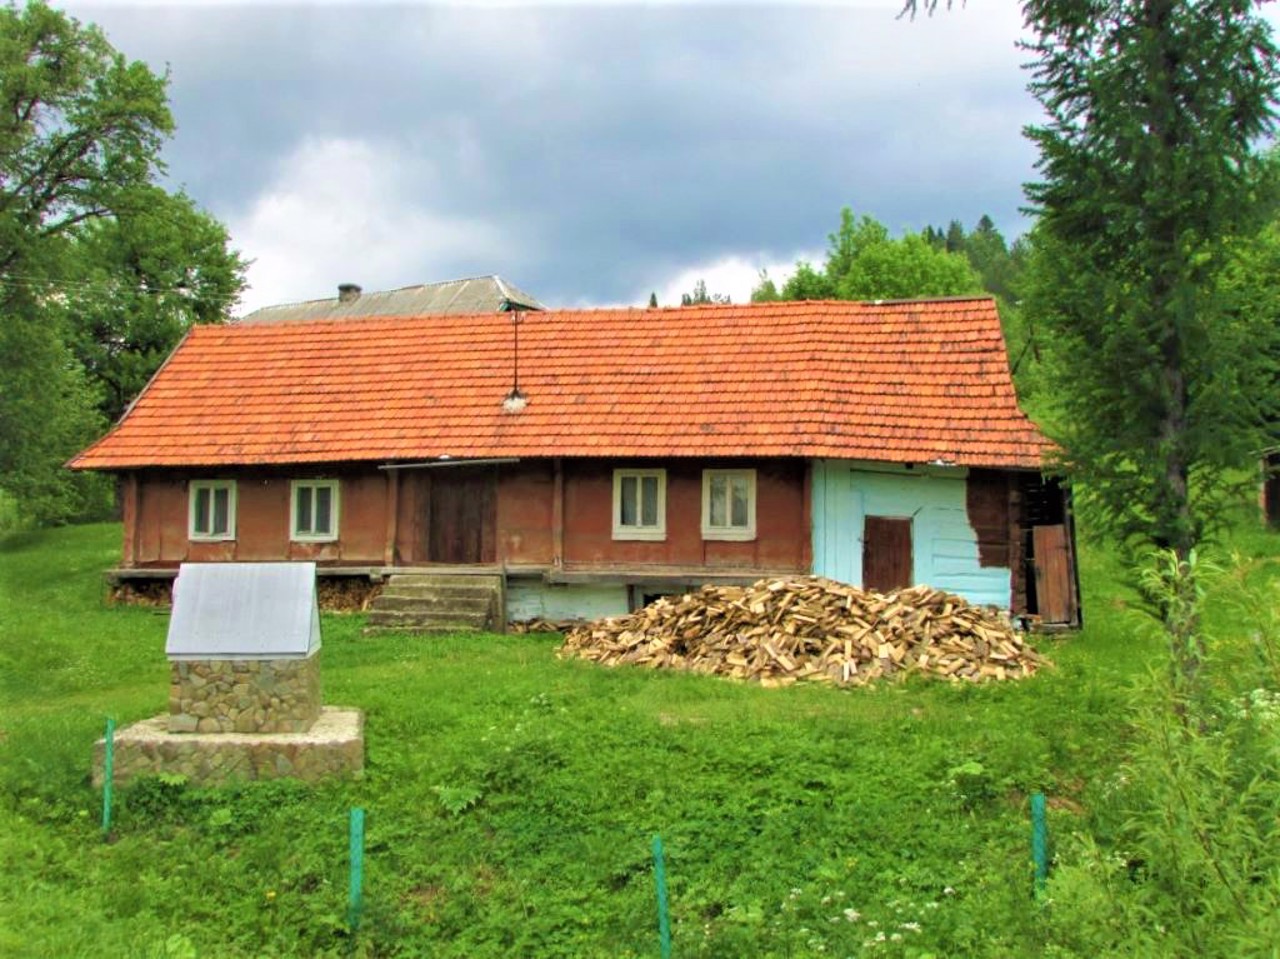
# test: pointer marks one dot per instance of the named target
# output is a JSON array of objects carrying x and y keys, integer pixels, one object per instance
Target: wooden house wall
[
  {"x": 948, "y": 552},
  {"x": 377, "y": 507},
  {"x": 156, "y": 519},
  {"x": 781, "y": 541}
]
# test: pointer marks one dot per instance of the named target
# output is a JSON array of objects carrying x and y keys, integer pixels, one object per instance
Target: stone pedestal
[
  {"x": 244, "y": 695},
  {"x": 332, "y": 748},
  {"x": 244, "y": 684}
]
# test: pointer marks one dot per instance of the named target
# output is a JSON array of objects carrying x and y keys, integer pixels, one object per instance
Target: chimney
[{"x": 348, "y": 292}]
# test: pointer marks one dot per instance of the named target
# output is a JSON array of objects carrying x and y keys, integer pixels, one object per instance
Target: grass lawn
[{"x": 512, "y": 797}]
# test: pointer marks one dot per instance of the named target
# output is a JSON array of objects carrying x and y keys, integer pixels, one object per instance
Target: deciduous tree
[
  {"x": 700, "y": 296},
  {"x": 865, "y": 263},
  {"x": 137, "y": 281},
  {"x": 100, "y": 270}
]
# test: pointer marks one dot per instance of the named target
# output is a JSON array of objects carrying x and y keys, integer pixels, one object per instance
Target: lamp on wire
[{"x": 515, "y": 401}]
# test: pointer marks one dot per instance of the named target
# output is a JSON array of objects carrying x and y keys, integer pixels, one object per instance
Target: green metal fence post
[
  {"x": 355, "y": 892},
  {"x": 1039, "y": 842},
  {"x": 660, "y": 879},
  {"x": 108, "y": 774}
]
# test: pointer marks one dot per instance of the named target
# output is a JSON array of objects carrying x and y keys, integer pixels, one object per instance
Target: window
[
  {"x": 728, "y": 504},
  {"x": 212, "y": 508},
  {"x": 639, "y": 504},
  {"x": 314, "y": 510}
]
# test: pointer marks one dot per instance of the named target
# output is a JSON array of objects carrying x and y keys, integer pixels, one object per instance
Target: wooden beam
[
  {"x": 393, "y": 517},
  {"x": 129, "y": 518},
  {"x": 806, "y": 518},
  {"x": 1017, "y": 556},
  {"x": 557, "y": 514},
  {"x": 650, "y": 576}
]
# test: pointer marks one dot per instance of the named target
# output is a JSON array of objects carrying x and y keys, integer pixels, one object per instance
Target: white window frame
[
  {"x": 296, "y": 487},
  {"x": 212, "y": 486},
  {"x": 729, "y": 531},
  {"x": 637, "y": 532}
]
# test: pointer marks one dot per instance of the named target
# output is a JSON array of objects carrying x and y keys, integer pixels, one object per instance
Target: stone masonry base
[
  {"x": 244, "y": 696},
  {"x": 332, "y": 748}
]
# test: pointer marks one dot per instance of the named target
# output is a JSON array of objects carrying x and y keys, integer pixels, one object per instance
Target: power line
[{"x": 67, "y": 285}]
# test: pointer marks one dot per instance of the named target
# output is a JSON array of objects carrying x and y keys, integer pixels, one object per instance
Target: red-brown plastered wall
[
  {"x": 262, "y": 519},
  {"x": 526, "y": 497},
  {"x": 781, "y": 533},
  {"x": 525, "y": 517}
]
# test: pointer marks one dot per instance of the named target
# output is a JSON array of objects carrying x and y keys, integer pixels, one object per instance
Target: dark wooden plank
[
  {"x": 987, "y": 506},
  {"x": 1271, "y": 490},
  {"x": 462, "y": 528},
  {"x": 1054, "y": 593},
  {"x": 886, "y": 553}
]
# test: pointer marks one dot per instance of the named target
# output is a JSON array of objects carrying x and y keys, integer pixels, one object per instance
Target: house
[
  {"x": 595, "y": 458},
  {"x": 477, "y": 294}
]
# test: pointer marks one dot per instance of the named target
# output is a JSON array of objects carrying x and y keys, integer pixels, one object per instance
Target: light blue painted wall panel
[
  {"x": 837, "y": 508},
  {"x": 534, "y": 599},
  {"x": 944, "y": 546}
]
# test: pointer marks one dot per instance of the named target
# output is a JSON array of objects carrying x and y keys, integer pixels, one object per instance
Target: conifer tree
[{"x": 1148, "y": 177}]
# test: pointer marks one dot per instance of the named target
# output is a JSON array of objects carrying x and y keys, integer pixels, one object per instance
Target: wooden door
[
  {"x": 461, "y": 527},
  {"x": 886, "y": 553},
  {"x": 1055, "y": 583},
  {"x": 1271, "y": 490}
]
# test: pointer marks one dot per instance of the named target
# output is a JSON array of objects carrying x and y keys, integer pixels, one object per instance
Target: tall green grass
[{"x": 512, "y": 796}]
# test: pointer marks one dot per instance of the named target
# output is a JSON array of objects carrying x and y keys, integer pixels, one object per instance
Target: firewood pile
[
  {"x": 346, "y": 594},
  {"x": 540, "y": 625},
  {"x": 334, "y": 595},
  {"x": 154, "y": 593},
  {"x": 777, "y": 632}
]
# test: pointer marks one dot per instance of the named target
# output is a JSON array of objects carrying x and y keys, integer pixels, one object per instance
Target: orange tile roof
[{"x": 895, "y": 382}]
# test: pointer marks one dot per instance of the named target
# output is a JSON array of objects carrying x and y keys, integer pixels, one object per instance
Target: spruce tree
[{"x": 1148, "y": 176}]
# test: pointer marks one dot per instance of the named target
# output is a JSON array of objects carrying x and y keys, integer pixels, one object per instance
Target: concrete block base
[{"x": 332, "y": 748}]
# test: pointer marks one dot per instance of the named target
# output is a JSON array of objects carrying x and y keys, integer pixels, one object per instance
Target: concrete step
[
  {"x": 423, "y": 630},
  {"x": 446, "y": 579},
  {"x": 481, "y": 602},
  {"x": 441, "y": 621},
  {"x": 415, "y": 590},
  {"x": 438, "y": 602}
]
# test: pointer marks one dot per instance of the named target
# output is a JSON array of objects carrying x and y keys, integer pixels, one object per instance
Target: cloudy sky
[{"x": 590, "y": 153}]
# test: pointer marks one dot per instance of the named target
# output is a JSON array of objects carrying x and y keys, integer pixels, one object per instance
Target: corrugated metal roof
[
  {"x": 476, "y": 294},
  {"x": 244, "y": 611}
]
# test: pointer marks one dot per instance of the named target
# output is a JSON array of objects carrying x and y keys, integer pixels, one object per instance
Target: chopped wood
[
  {"x": 810, "y": 628},
  {"x": 540, "y": 625}
]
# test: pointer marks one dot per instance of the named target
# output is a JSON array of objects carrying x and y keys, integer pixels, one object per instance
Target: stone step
[
  {"x": 481, "y": 602},
  {"x": 432, "y": 630},
  {"x": 442, "y": 621},
  {"x": 438, "y": 602},
  {"x": 414, "y": 590},
  {"x": 445, "y": 579}
]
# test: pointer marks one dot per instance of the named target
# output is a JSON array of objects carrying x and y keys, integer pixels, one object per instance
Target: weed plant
[
  {"x": 511, "y": 798},
  {"x": 1183, "y": 856}
]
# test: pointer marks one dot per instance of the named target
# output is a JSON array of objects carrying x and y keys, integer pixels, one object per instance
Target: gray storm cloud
[{"x": 589, "y": 153}]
